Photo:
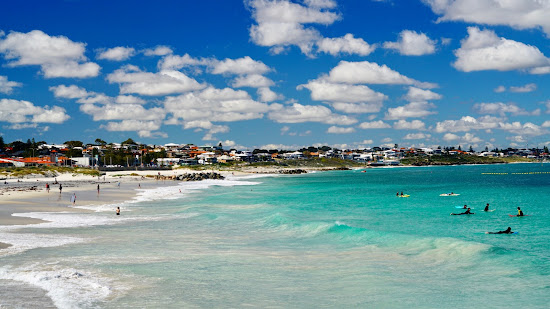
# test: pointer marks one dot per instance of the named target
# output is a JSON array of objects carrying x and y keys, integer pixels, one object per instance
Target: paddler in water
[
  {"x": 467, "y": 212},
  {"x": 507, "y": 231},
  {"x": 520, "y": 212},
  {"x": 486, "y": 207}
]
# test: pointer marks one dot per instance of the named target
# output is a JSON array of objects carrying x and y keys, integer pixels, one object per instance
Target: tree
[
  {"x": 2, "y": 144},
  {"x": 471, "y": 149},
  {"x": 72, "y": 144},
  {"x": 101, "y": 142},
  {"x": 129, "y": 142},
  {"x": 545, "y": 149}
]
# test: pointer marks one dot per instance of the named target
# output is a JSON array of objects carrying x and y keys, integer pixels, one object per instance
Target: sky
[{"x": 277, "y": 74}]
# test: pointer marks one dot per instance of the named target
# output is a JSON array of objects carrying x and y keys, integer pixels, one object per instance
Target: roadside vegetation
[
  {"x": 47, "y": 171},
  {"x": 461, "y": 159}
]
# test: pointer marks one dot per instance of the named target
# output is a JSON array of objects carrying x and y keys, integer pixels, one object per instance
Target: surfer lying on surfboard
[
  {"x": 467, "y": 212},
  {"x": 507, "y": 231}
]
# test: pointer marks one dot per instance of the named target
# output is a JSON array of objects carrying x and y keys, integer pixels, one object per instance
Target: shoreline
[{"x": 30, "y": 195}]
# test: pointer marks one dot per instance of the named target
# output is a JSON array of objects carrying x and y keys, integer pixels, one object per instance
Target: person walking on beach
[
  {"x": 97, "y": 189},
  {"x": 73, "y": 198},
  {"x": 48, "y": 187},
  {"x": 118, "y": 211},
  {"x": 60, "y": 188}
]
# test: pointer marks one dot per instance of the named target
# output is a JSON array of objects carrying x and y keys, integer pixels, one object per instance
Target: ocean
[{"x": 338, "y": 239}]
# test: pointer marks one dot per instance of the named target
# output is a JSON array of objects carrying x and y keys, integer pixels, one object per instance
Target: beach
[{"x": 330, "y": 239}]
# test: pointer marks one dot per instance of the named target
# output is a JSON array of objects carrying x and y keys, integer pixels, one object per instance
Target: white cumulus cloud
[
  {"x": 160, "y": 50},
  {"x": 417, "y": 95},
  {"x": 365, "y": 72},
  {"x": 468, "y": 123},
  {"x": 16, "y": 111},
  {"x": 412, "y": 125},
  {"x": 297, "y": 113},
  {"x": 133, "y": 80},
  {"x": 522, "y": 14},
  {"x": 240, "y": 66},
  {"x": 526, "y": 88},
  {"x": 374, "y": 125},
  {"x": 484, "y": 50},
  {"x": 345, "y": 45},
  {"x": 413, "y": 109},
  {"x": 411, "y": 43},
  {"x": 412, "y": 136},
  {"x": 56, "y": 55},
  {"x": 280, "y": 24},
  {"x": 7, "y": 86},
  {"x": 502, "y": 109},
  {"x": 322, "y": 90},
  {"x": 340, "y": 130},
  {"x": 119, "y": 53}
]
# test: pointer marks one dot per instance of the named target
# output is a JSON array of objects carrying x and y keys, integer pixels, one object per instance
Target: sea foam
[{"x": 67, "y": 287}]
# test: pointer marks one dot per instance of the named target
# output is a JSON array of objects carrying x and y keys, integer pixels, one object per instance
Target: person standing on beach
[
  {"x": 48, "y": 187},
  {"x": 73, "y": 198},
  {"x": 60, "y": 188},
  {"x": 97, "y": 189}
]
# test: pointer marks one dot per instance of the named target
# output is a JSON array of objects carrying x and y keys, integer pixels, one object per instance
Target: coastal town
[{"x": 101, "y": 154}]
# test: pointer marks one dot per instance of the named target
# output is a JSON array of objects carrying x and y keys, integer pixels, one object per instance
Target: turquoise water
[{"x": 336, "y": 239}]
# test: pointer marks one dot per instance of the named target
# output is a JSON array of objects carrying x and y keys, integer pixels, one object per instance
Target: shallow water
[{"x": 327, "y": 239}]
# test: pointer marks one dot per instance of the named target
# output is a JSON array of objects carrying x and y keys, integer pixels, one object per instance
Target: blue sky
[{"x": 277, "y": 74}]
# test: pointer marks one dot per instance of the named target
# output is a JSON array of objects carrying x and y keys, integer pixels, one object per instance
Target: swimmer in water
[
  {"x": 467, "y": 212},
  {"x": 507, "y": 231}
]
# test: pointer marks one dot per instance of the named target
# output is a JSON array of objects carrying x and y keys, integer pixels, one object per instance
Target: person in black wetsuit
[
  {"x": 486, "y": 207},
  {"x": 467, "y": 212},
  {"x": 507, "y": 231}
]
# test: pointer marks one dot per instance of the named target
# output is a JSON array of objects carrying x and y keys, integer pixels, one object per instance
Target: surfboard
[
  {"x": 490, "y": 210},
  {"x": 519, "y": 216},
  {"x": 501, "y": 233},
  {"x": 449, "y": 194},
  {"x": 462, "y": 207},
  {"x": 404, "y": 195}
]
